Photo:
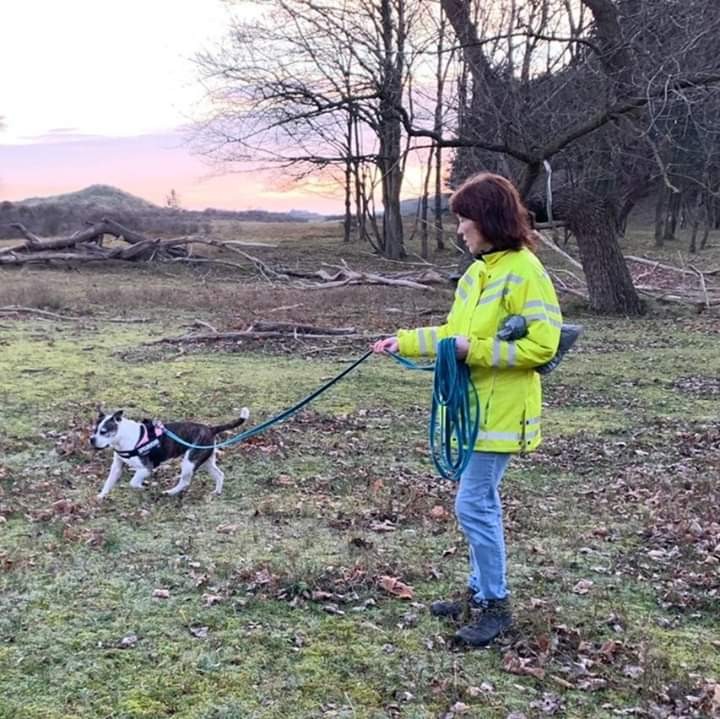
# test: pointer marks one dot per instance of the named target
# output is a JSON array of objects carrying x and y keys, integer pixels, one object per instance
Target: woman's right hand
[{"x": 389, "y": 344}]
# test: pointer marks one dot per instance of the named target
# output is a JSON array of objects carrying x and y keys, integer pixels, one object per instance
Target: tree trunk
[
  {"x": 439, "y": 232},
  {"x": 610, "y": 285},
  {"x": 707, "y": 224},
  {"x": 437, "y": 128},
  {"x": 672, "y": 216},
  {"x": 347, "y": 223},
  {"x": 424, "y": 225},
  {"x": 390, "y": 133},
  {"x": 660, "y": 218}
]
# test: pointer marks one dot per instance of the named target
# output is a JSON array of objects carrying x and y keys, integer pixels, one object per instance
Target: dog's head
[{"x": 105, "y": 429}]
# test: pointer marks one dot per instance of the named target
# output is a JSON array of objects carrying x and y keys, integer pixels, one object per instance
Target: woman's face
[{"x": 473, "y": 238}]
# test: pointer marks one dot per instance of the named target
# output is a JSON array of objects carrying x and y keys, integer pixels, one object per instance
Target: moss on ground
[{"x": 274, "y": 603}]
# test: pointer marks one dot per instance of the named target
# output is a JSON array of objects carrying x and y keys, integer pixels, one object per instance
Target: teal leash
[
  {"x": 455, "y": 411},
  {"x": 454, "y": 414},
  {"x": 273, "y": 420}
]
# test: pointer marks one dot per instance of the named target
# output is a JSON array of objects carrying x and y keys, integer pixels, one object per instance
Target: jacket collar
[{"x": 492, "y": 257}]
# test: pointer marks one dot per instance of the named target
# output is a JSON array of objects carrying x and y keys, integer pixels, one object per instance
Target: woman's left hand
[{"x": 462, "y": 347}]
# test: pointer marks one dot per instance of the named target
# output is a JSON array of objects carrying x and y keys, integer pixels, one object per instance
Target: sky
[{"x": 99, "y": 91}]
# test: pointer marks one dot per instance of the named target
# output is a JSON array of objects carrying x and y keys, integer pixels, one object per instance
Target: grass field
[{"x": 274, "y": 600}]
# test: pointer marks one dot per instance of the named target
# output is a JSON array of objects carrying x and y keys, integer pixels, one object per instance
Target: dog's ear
[
  {"x": 117, "y": 416},
  {"x": 99, "y": 409}
]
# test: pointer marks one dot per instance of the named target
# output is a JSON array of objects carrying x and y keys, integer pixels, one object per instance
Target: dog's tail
[{"x": 244, "y": 414}]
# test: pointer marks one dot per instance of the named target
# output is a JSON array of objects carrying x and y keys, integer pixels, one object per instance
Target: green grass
[{"x": 282, "y": 572}]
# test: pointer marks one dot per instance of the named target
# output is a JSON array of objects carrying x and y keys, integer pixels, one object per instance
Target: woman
[{"x": 506, "y": 279}]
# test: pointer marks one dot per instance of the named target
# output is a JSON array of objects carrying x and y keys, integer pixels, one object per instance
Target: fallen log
[
  {"x": 247, "y": 334},
  {"x": 89, "y": 240},
  {"x": 298, "y": 328}
]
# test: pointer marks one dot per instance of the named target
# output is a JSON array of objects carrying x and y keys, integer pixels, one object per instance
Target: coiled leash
[{"x": 454, "y": 412}]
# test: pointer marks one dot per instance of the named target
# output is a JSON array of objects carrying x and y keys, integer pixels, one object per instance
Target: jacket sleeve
[
  {"x": 536, "y": 301},
  {"x": 422, "y": 341}
]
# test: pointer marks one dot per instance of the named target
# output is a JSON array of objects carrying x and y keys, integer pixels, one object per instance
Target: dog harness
[{"x": 148, "y": 443}]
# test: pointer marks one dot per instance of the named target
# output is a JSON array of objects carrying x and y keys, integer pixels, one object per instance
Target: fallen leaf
[
  {"x": 127, "y": 642},
  {"x": 211, "y": 599},
  {"x": 199, "y": 632},
  {"x": 227, "y": 528},
  {"x": 592, "y": 684},
  {"x": 550, "y": 704},
  {"x": 521, "y": 666},
  {"x": 161, "y": 593},
  {"x": 711, "y": 698},
  {"x": 333, "y": 609},
  {"x": 583, "y": 586},
  {"x": 394, "y": 586},
  {"x": 386, "y": 526},
  {"x": 439, "y": 513},
  {"x": 610, "y": 648},
  {"x": 459, "y": 708}
]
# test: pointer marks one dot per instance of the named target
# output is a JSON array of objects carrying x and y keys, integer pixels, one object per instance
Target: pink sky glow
[
  {"x": 148, "y": 166},
  {"x": 77, "y": 111}
]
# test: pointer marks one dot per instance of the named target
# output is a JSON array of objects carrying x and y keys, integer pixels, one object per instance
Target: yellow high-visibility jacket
[{"x": 501, "y": 283}]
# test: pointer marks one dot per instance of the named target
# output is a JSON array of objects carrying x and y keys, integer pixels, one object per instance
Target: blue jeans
[{"x": 479, "y": 512}]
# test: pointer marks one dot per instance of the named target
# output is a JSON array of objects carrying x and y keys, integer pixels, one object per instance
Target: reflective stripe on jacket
[{"x": 500, "y": 284}]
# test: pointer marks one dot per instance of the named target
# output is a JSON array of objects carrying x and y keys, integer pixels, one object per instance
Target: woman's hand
[
  {"x": 389, "y": 344},
  {"x": 462, "y": 347}
]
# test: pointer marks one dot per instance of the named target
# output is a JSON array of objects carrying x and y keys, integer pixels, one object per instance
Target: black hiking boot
[
  {"x": 456, "y": 608},
  {"x": 495, "y": 619}
]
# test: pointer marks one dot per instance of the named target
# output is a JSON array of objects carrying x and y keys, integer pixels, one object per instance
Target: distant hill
[
  {"x": 412, "y": 205},
  {"x": 69, "y": 212},
  {"x": 97, "y": 196}
]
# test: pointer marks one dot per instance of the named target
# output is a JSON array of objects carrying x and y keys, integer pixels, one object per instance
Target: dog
[{"x": 143, "y": 446}]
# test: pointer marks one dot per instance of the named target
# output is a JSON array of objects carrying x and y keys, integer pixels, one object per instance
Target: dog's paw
[{"x": 100, "y": 497}]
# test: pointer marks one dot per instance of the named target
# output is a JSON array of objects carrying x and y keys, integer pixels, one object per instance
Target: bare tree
[
  {"x": 308, "y": 87},
  {"x": 551, "y": 83},
  {"x": 172, "y": 200}
]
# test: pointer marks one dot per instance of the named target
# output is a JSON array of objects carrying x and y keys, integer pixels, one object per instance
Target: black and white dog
[{"x": 142, "y": 446}]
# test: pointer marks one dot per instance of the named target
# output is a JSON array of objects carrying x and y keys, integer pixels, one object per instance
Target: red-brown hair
[{"x": 494, "y": 205}]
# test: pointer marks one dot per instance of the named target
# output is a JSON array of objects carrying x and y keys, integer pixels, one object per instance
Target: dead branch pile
[
  {"x": 343, "y": 276},
  {"x": 88, "y": 246},
  {"x": 262, "y": 329},
  {"x": 653, "y": 279}
]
